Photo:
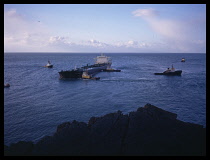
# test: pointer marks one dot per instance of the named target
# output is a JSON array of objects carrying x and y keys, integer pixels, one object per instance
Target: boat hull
[
  {"x": 70, "y": 74},
  {"x": 91, "y": 70},
  {"x": 102, "y": 63},
  {"x": 95, "y": 70},
  {"x": 175, "y": 73},
  {"x": 111, "y": 70},
  {"x": 51, "y": 66}
]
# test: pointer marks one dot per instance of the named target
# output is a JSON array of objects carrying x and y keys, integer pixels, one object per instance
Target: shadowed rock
[{"x": 149, "y": 131}]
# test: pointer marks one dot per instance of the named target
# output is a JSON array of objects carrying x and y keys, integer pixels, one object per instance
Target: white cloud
[
  {"x": 96, "y": 43},
  {"x": 145, "y": 13},
  {"x": 57, "y": 39},
  {"x": 165, "y": 27},
  {"x": 176, "y": 34},
  {"x": 21, "y": 34},
  {"x": 24, "y": 35},
  {"x": 133, "y": 44}
]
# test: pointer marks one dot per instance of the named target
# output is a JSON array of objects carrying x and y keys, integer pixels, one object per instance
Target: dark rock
[
  {"x": 62, "y": 126},
  {"x": 107, "y": 133},
  {"x": 158, "y": 113},
  {"x": 150, "y": 131},
  {"x": 21, "y": 148}
]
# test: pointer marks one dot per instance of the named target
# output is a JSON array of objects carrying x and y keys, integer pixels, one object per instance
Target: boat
[
  {"x": 170, "y": 72},
  {"x": 49, "y": 65},
  {"x": 111, "y": 70},
  {"x": 183, "y": 60},
  {"x": 7, "y": 85},
  {"x": 85, "y": 75},
  {"x": 102, "y": 62}
]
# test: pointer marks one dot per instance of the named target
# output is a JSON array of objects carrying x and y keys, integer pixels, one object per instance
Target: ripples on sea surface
[{"x": 37, "y": 101}]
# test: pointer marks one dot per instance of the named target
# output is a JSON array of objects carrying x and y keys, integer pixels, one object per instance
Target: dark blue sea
[{"x": 37, "y": 100}]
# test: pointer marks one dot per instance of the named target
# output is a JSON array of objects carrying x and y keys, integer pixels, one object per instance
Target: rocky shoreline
[{"x": 149, "y": 131}]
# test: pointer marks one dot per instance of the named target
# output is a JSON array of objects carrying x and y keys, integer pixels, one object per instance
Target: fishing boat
[
  {"x": 170, "y": 72},
  {"x": 102, "y": 62},
  {"x": 183, "y": 60},
  {"x": 49, "y": 65}
]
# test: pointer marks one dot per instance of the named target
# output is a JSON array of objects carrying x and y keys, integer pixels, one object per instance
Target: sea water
[{"x": 37, "y": 100}]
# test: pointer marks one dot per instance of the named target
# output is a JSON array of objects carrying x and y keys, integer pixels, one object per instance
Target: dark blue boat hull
[{"x": 175, "y": 73}]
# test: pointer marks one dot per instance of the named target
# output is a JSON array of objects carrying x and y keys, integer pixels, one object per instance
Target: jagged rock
[
  {"x": 19, "y": 149},
  {"x": 158, "y": 113},
  {"x": 150, "y": 131},
  {"x": 62, "y": 126},
  {"x": 107, "y": 133}
]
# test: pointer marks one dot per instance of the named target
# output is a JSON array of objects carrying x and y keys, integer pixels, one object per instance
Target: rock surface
[{"x": 149, "y": 131}]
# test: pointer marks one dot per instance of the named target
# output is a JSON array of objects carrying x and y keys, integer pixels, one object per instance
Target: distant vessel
[
  {"x": 102, "y": 63},
  {"x": 7, "y": 85},
  {"x": 183, "y": 60},
  {"x": 170, "y": 72},
  {"x": 49, "y": 65}
]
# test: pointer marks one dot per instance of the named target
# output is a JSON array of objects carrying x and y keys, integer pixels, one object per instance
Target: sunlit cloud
[
  {"x": 25, "y": 34},
  {"x": 96, "y": 43},
  {"x": 145, "y": 13},
  {"x": 57, "y": 39},
  {"x": 21, "y": 34},
  {"x": 176, "y": 34}
]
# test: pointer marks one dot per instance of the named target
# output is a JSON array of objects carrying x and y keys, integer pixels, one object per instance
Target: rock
[
  {"x": 107, "y": 133},
  {"x": 158, "y": 113},
  {"x": 149, "y": 131},
  {"x": 63, "y": 126},
  {"x": 19, "y": 149}
]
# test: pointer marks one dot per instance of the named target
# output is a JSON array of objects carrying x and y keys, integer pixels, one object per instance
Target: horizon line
[{"x": 113, "y": 52}]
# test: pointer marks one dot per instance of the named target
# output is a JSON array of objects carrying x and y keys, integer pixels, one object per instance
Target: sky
[{"x": 136, "y": 28}]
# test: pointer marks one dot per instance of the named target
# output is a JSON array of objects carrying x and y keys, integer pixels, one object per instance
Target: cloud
[
  {"x": 165, "y": 27},
  {"x": 133, "y": 44},
  {"x": 145, "y": 13},
  {"x": 177, "y": 34},
  {"x": 57, "y": 39},
  {"x": 65, "y": 44},
  {"x": 21, "y": 34},
  {"x": 97, "y": 43}
]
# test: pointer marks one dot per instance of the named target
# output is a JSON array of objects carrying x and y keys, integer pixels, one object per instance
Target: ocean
[{"x": 37, "y": 100}]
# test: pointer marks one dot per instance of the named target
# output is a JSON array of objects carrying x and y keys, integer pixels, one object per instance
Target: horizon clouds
[{"x": 23, "y": 34}]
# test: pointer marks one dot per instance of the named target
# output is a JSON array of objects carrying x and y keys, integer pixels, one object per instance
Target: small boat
[
  {"x": 183, "y": 60},
  {"x": 7, "y": 85},
  {"x": 49, "y": 65},
  {"x": 170, "y": 72},
  {"x": 85, "y": 75}
]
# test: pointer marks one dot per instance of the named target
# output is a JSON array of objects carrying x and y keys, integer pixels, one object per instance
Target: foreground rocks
[{"x": 149, "y": 131}]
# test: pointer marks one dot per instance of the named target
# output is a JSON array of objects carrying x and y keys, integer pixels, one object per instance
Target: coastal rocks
[
  {"x": 107, "y": 133},
  {"x": 19, "y": 149},
  {"x": 149, "y": 131}
]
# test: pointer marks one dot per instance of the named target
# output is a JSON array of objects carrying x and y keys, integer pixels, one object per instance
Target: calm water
[{"x": 38, "y": 101}]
